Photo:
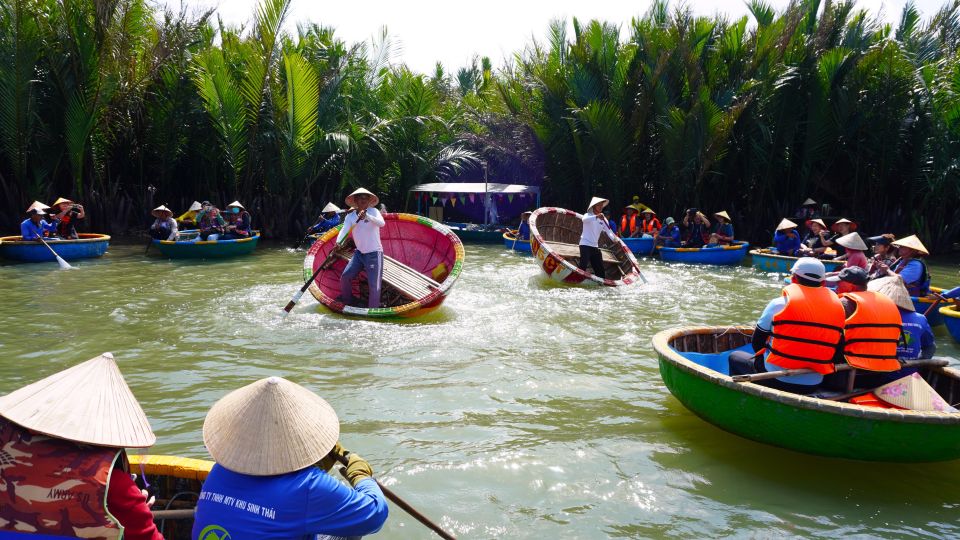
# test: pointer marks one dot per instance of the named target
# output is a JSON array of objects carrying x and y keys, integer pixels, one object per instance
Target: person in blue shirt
[
  {"x": 910, "y": 266},
  {"x": 523, "y": 231},
  {"x": 329, "y": 218},
  {"x": 274, "y": 441},
  {"x": 918, "y": 341},
  {"x": 669, "y": 234},
  {"x": 786, "y": 240},
  {"x": 610, "y": 221},
  {"x": 722, "y": 233},
  {"x": 34, "y": 227}
]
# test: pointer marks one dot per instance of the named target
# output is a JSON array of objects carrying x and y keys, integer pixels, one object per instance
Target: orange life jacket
[
  {"x": 806, "y": 333},
  {"x": 872, "y": 332},
  {"x": 649, "y": 227},
  {"x": 626, "y": 231},
  {"x": 55, "y": 487}
]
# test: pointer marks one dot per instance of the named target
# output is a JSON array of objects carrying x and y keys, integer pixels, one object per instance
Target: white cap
[{"x": 809, "y": 268}]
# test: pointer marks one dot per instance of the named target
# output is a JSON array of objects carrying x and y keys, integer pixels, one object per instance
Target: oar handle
[
  {"x": 939, "y": 298},
  {"x": 394, "y": 498},
  {"x": 323, "y": 266}
]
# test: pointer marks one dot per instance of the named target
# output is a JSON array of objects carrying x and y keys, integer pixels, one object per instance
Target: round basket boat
[
  {"x": 719, "y": 255},
  {"x": 422, "y": 261},
  {"x": 640, "y": 246},
  {"x": 770, "y": 261},
  {"x": 203, "y": 249},
  {"x": 922, "y": 303},
  {"x": 177, "y": 482},
  {"x": 88, "y": 246},
  {"x": 510, "y": 241},
  {"x": 951, "y": 318},
  {"x": 693, "y": 365},
  {"x": 554, "y": 241}
]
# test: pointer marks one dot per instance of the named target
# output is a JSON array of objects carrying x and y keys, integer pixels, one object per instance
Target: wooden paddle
[
  {"x": 939, "y": 298},
  {"x": 323, "y": 266},
  {"x": 754, "y": 377},
  {"x": 403, "y": 504},
  {"x": 63, "y": 264}
]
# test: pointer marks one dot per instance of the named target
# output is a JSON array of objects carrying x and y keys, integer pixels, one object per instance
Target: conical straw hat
[
  {"x": 786, "y": 224},
  {"x": 270, "y": 427},
  {"x": 912, "y": 392},
  {"x": 195, "y": 207},
  {"x": 161, "y": 209},
  {"x": 237, "y": 204},
  {"x": 88, "y": 403},
  {"x": 374, "y": 202},
  {"x": 61, "y": 200},
  {"x": 723, "y": 214},
  {"x": 893, "y": 288},
  {"x": 852, "y": 241},
  {"x": 595, "y": 201},
  {"x": 330, "y": 207},
  {"x": 853, "y": 226},
  {"x": 818, "y": 221},
  {"x": 38, "y": 205},
  {"x": 808, "y": 202},
  {"x": 648, "y": 211},
  {"x": 912, "y": 242}
]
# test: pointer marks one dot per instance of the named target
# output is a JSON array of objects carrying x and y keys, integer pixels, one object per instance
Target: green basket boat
[
  {"x": 201, "y": 249},
  {"x": 693, "y": 365}
]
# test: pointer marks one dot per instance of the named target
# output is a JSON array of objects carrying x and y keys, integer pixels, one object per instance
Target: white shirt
[
  {"x": 172, "y": 223},
  {"x": 366, "y": 233},
  {"x": 593, "y": 226}
]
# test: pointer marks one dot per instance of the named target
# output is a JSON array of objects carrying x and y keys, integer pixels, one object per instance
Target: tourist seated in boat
[
  {"x": 669, "y": 234},
  {"x": 649, "y": 225},
  {"x": 205, "y": 207},
  {"x": 212, "y": 224},
  {"x": 871, "y": 332},
  {"x": 188, "y": 219},
  {"x": 594, "y": 224},
  {"x": 910, "y": 266},
  {"x": 363, "y": 224},
  {"x": 855, "y": 249},
  {"x": 68, "y": 213},
  {"x": 884, "y": 253},
  {"x": 840, "y": 228},
  {"x": 722, "y": 233},
  {"x": 637, "y": 205},
  {"x": 238, "y": 222},
  {"x": 918, "y": 342},
  {"x": 808, "y": 210},
  {"x": 65, "y": 468},
  {"x": 696, "y": 228},
  {"x": 814, "y": 242},
  {"x": 802, "y": 329},
  {"x": 786, "y": 240},
  {"x": 164, "y": 227},
  {"x": 523, "y": 231},
  {"x": 628, "y": 223},
  {"x": 274, "y": 443},
  {"x": 329, "y": 218},
  {"x": 35, "y": 227}
]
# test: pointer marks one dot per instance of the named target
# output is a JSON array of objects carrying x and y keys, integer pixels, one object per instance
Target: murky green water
[{"x": 519, "y": 410}]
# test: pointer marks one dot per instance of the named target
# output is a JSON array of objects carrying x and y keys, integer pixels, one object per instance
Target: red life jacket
[
  {"x": 626, "y": 230},
  {"x": 872, "y": 332},
  {"x": 806, "y": 333},
  {"x": 651, "y": 226},
  {"x": 55, "y": 487}
]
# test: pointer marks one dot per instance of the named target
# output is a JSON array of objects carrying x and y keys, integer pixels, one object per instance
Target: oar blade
[{"x": 63, "y": 264}]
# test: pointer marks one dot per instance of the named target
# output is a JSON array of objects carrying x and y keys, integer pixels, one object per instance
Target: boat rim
[
  {"x": 85, "y": 238},
  {"x": 952, "y": 310},
  {"x": 661, "y": 343},
  {"x": 207, "y": 242},
  {"x": 736, "y": 246},
  {"x": 508, "y": 235},
  {"x": 634, "y": 273},
  {"x": 763, "y": 252}
]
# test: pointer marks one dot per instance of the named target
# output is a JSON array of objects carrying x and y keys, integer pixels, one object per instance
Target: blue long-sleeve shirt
[
  {"x": 326, "y": 224},
  {"x": 524, "y": 231},
  {"x": 31, "y": 231},
  {"x": 918, "y": 336},
  {"x": 296, "y": 505},
  {"x": 786, "y": 245}
]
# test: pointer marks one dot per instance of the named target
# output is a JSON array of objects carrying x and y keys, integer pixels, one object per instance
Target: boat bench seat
[
  {"x": 572, "y": 250},
  {"x": 408, "y": 282}
]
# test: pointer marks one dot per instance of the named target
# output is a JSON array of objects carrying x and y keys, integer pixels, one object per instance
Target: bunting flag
[
  {"x": 461, "y": 197},
  {"x": 471, "y": 197},
  {"x": 453, "y": 201},
  {"x": 510, "y": 198},
  {"x": 434, "y": 200},
  {"x": 523, "y": 196}
]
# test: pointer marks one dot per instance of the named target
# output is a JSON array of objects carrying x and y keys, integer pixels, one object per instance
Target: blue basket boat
[
  {"x": 770, "y": 261},
  {"x": 200, "y": 249},
  {"x": 510, "y": 241},
  {"x": 951, "y": 318},
  {"x": 719, "y": 255},
  {"x": 640, "y": 246},
  {"x": 88, "y": 246},
  {"x": 922, "y": 303}
]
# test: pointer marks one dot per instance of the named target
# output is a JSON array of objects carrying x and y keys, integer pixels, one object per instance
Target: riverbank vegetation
[{"x": 124, "y": 107}]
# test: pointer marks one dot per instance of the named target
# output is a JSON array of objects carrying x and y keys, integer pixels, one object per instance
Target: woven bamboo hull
[
  {"x": 763, "y": 260},
  {"x": 639, "y": 246},
  {"x": 551, "y": 228},
  {"x": 88, "y": 246},
  {"x": 171, "y": 475},
  {"x": 418, "y": 242},
  {"x": 510, "y": 241},
  {"x": 720, "y": 255},
  {"x": 801, "y": 423},
  {"x": 207, "y": 250},
  {"x": 921, "y": 304},
  {"x": 951, "y": 318}
]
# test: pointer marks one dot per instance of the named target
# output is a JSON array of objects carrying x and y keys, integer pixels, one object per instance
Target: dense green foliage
[{"x": 125, "y": 108}]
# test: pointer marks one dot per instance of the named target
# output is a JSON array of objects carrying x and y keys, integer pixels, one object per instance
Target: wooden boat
[
  {"x": 510, "y": 241},
  {"x": 769, "y": 261},
  {"x": 951, "y": 318},
  {"x": 719, "y": 255},
  {"x": 473, "y": 233},
  {"x": 186, "y": 247},
  {"x": 922, "y": 303},
  {"x": 693, "y": 365},
  {"x": 422, "y": 261},
  {"x": 554, "y": 241},
  {"x": 88, "y": 246},
  {"x": 640, "y": 246},
  {"x": 176, "y": 482}
]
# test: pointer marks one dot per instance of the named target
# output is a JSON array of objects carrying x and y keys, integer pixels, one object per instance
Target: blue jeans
[{"x": 372, "y": 264}]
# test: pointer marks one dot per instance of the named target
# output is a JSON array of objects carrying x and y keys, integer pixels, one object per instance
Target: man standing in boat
[
  {"x": 594, "y": 224},
  {"x": 363, "y": 224}
]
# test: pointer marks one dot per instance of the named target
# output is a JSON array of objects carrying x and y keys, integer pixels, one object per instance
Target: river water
[{"x": 520, "y": 409}]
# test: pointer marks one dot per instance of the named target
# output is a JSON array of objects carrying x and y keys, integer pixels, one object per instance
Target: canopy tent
[{"x": 441, "y": 192}]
